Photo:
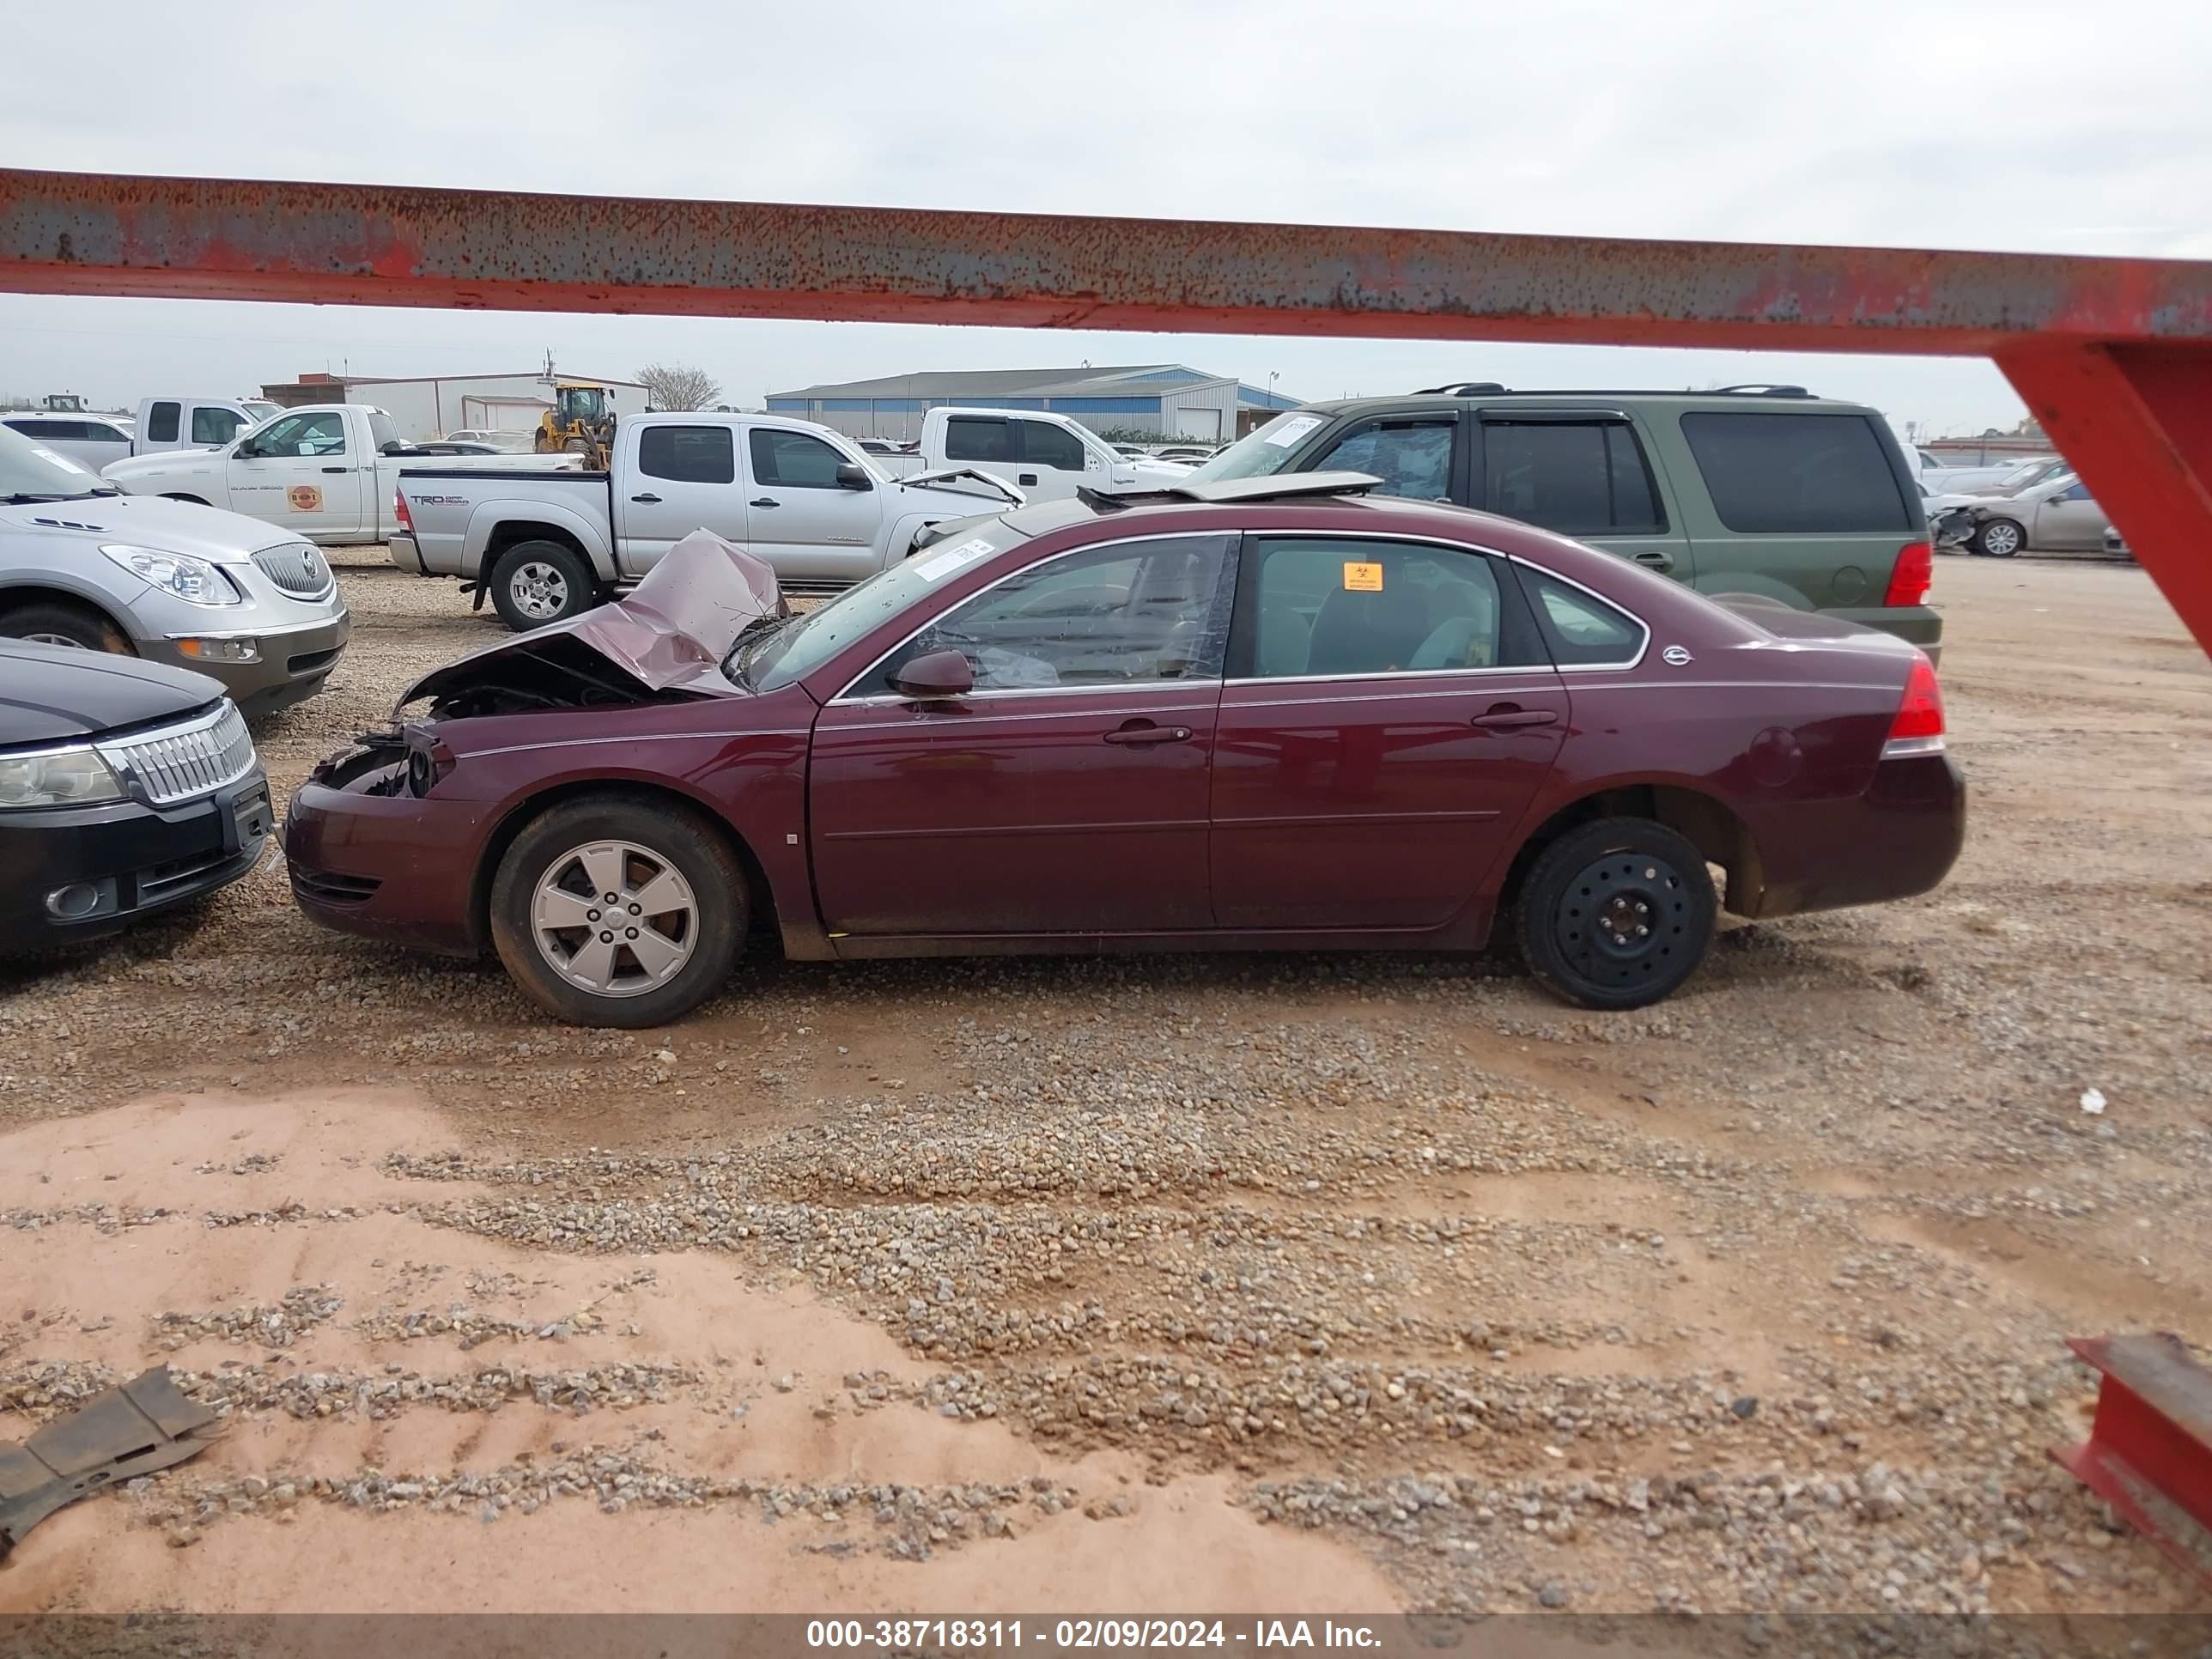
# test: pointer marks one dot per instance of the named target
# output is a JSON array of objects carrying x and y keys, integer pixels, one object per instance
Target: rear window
[
  {"x": 1808, "y": 474},
  {"x": 1578, "y": 478},
  {"x": 161, "y": 424},
  {"x": 972, "y": 440},
  {"x": 688, "y": 454}
]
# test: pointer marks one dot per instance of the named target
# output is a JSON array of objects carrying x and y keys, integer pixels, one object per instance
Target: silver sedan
[{"x": 2057, "y": 515}]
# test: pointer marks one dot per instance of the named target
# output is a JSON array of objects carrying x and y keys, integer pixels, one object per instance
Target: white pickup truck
[
  {"x": 547, "y": 546},
  {"x": 170, "y": 423},
  {"x": 1047, "y": 457},
  {"x": 326, "y": 472}
]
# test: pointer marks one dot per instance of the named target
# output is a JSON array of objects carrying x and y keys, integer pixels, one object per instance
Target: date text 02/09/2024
[{"x": 896, "y": 1635}]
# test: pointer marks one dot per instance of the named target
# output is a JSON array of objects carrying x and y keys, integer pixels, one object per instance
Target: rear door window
[
  {"x": 1578, "y": 478},
  {"x": 1331, "y": 606},
  {"x": 1810, "y": 474},
  {"x": 972, "y": 440},
  {"x": 1582, "y": 631},
  {"x": 162, "y": 423},
  {"x": 688, "y": 454}
]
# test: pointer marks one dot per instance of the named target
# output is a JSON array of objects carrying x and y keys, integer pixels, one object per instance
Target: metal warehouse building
[
  {"x": 1169, "y": 400},
  {"x": 428, "y": 406}
]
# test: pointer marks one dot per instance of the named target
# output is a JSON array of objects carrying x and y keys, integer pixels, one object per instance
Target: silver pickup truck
[{"x": 547, "y": 546}]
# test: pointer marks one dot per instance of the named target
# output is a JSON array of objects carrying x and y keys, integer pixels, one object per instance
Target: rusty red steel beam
[
  {"x": 2150, "y": 1450},
  {"x": 2115, "y": 355},
  {"x": 375, "y": 245}
]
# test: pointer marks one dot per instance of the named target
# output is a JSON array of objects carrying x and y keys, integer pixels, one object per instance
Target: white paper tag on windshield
[
  {"x": 1293, "y": 430},
  {"x": 59, "y": 458},
  {"x": 935, "y": 566}
]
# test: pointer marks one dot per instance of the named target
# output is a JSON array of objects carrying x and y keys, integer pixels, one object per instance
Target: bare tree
[{"x": 672, "y": 386}]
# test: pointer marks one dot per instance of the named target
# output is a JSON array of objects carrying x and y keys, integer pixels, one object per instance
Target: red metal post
[
  {"x": 2137, "y": 420},
  {"x": 2149, "y": 1452},
  {"x": 2112, "y": 354}
]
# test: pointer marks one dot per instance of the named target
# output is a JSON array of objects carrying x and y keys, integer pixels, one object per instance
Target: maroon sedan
[{"x": 1274, "y": 713}]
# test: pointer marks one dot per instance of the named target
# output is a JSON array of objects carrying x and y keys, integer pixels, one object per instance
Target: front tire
[
  {"x": 1999, "y": 538},
  {"x": 613, "y": 911},
  {"x": 537, "y": 584},
  {"x": 79, "y": 627},
  {"x": 1616, "y": 913}
]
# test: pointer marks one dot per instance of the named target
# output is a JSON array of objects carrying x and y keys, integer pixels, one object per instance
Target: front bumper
[
  {"x": 388, "y": 867},
  {"x": 139, "y": 859},
  {"x": 1915, "y": 624},
  {"x": 296, "y": 658}
]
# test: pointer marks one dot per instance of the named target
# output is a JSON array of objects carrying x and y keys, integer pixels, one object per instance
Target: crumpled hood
[
  {"x": 208, "y": 532},
  {"x": 675, "y": 625}
]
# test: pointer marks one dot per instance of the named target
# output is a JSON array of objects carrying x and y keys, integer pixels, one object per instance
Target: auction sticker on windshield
[
  {"x": 1293, "y": 430},
  {"x": 937, "y": 566}
]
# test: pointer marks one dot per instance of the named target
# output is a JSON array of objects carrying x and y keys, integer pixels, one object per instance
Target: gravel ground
[{"x": 1752, "y": 1301}]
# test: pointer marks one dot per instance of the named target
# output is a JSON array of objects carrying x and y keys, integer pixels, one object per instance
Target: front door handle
[
  {"x": 1147, "y": 733},
  {"x": 1653, "y": 558},
  {"x": 649, "y": 499},
  {"x": 1507, "y": 714},
  {"x": 764, "y": 501},
  {"x": 337, "y": 469}
]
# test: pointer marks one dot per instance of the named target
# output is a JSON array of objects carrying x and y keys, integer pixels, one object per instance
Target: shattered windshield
[{"x": 774, "y": 655}]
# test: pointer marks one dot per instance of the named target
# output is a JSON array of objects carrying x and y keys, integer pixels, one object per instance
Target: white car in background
[
  {"x": 90, "y": 440},
  {"x": 508, "y": 443}
]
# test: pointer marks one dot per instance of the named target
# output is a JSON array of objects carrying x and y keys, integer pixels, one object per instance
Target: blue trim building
[{"x": 1165, "y": 401}]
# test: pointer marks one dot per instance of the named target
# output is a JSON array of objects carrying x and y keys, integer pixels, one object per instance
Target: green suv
[{"x": 1764, "y": 491}]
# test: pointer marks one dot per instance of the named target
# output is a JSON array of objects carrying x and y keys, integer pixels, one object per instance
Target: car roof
[{"x": 1790, "y": 401}]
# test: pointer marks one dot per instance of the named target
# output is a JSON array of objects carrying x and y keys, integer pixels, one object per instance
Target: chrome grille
[
  {"x": 176, "y": 763},
  {"x": 297, "y": 569}
]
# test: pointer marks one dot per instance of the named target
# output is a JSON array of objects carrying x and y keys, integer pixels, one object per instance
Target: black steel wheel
[{"x": 1616, "y": 913}]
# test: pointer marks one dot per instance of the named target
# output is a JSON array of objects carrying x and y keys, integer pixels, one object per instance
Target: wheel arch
[
  {"x": 15, "y": 596},
  {"x": 1709, "y": 824},
  {"x": 491, "y": 532},
  {"x": 519, "y": 813}
]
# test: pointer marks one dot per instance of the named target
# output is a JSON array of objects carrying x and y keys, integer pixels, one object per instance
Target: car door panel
[
  {"x": 1373, "y": 753},
  {"x": 800, "y": 518},
  {"x": 2070, "y": 519},
  {"x": 1068, "y": 794},
  {"x": 675, "y": 477},
  {"x": 305, "y": 475}
]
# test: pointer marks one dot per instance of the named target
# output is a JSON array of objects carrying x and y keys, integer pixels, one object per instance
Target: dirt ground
[{"x": 1261, "y": 1283}]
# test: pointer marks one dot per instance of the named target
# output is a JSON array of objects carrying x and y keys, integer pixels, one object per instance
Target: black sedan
[{"x": 125, "y": 787}]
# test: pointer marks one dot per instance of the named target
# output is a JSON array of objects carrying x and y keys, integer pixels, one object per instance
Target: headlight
[
  {"x": 59, "y": 777},
  {"x": 192, "y": 580}
]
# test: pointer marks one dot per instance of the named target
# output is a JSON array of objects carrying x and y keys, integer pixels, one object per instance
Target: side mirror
[
  {"x": 246, "y": 451},
  {"x": 937, "y": 675},
  {"x": 851, "y": 475}
]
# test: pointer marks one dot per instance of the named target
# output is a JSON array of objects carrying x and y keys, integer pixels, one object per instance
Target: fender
[
  {"x": 489, "y": 516},
  {"x": 909, "y": 524}
]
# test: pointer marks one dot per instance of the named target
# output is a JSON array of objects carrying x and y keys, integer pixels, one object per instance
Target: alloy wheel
[
  {"x": 614, "y": 918},
  {"x": 61, "y": 639},
  {"x": 539, "y": 590}
]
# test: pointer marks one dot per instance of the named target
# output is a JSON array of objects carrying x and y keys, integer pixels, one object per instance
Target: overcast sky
[{"x": 2036, "y": 124}]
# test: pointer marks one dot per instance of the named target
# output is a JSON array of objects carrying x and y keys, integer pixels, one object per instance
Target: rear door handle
[
  {"x": 337, "y": 469},
  {"x": 1506, "y": 714},
  {"x": 1149, "y": 734},
  {"x": 764, "y": 501},
  {"x": 648, "y": 498},
  {"x": 1653, "y": 558}
]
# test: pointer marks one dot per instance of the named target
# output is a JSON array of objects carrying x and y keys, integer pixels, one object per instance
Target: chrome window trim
[{"x": 846, "y": 696}]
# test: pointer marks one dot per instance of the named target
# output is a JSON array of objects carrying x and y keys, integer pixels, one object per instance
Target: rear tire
[
  {"x": 536, "y": 584},
  {"x": 57, "y": 622},
  {"x": 591, "y": 962},
  {"x": 1616, "y": 913},
  {"x": 1999, "y": 538}
]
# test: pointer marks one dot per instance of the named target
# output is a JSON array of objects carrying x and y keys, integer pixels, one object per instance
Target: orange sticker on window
[
  {"x": 305, "y": 498},
  {"x": 1363, "y": 578}
]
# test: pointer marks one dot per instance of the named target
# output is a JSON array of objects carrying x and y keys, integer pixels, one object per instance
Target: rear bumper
[
  {"x": 406, "y": 552},
  {"x": 137, "y": 858},
  {"x": 1897, "y": 839},
  {"x": 1917, "y": 624},
  {"x": 390, "y": 867}
]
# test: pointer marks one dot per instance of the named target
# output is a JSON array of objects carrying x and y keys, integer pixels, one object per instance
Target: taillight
[
  {"x": 400, "y": 516},
  {"x": 1912, "y": 575},
  {"x": 1918, "y": 728}
]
